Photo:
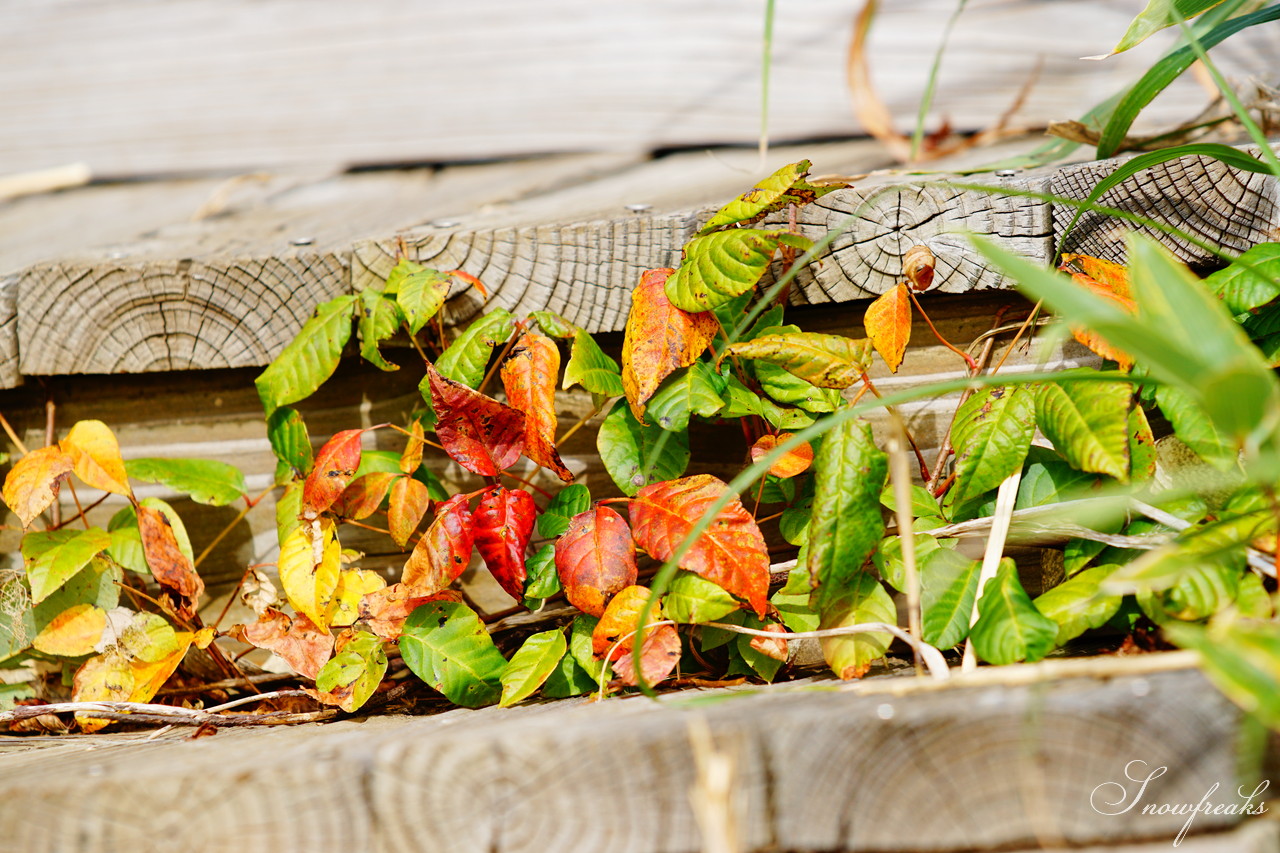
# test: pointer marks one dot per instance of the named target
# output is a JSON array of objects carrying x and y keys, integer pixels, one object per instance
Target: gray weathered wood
[
  {"x": 879, "y": 766},
  {"x": 140, "y": 88}
]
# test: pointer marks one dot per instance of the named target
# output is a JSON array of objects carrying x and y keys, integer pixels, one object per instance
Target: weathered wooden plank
[
  {"x": 137, "y": 87},
  {"x": 878, "y": 766}
]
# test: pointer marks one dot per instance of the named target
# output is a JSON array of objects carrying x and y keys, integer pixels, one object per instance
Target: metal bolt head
[
  {"x": 444, "y": 223},
  {"x": 302, "y": 241},
  {"x": 639, "y": 208},
  {"x": 1006, "y": 173}
]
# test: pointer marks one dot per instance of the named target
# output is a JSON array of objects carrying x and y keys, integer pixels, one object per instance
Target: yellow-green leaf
[
  {"x": 717, "y": 267},
  {"x": 309, "y": 569},
  {"x": 53, "y": 557},
  {"x": 530, "y": 666},
  {"x": 827, "y": 361},
  {"x": 783, "y": 187}
]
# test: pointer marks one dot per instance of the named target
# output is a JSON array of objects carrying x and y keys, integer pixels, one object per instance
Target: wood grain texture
[
  {"x": 812, "y": 770},
  {"x": 164, "y": 88}
]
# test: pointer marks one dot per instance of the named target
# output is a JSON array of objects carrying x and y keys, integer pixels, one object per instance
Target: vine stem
[
  {"x": 13, "y": 436},
  {"x": 933, "y": 658},
  {"x": 968, "y": 359},
  {"x": 900, "y": 474},
  {"x": 516, "y": 331},
  {"x": 893, "y": 412},
  {"x": 580, "y": 423},
  {"x": 249, "y": 504}
]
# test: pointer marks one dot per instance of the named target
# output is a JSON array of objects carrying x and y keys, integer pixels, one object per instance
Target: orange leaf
[
  {"x": 529, "y": 377},
  {"x": 363, "y": 496},
  {"x": 774, "y": 647},
  {"x": 95, "y": 456},
  {"x": 793, "y": 462},
  {"x": 73, "y": 632},
  {"x": 596, "y": 559},
  {"x": 503, "y": 523},
  {"x": 888, "y": 324},
  {"x": 384, "y": 611},
  {"x": 731, "y": 552},
  {"x": 32, "y": 483},
  {"x": 443, "y": 552},
  {"x": 412, "y": 456},
  {"x": 658, "y": 657},
  {"x": 164, "y": 556},
  {"x": 297, "y": 641},
  {"x": 1109, "y": 281},
  {"x": 479, "y": 433},
  {"x": 615, "y": 632},
  {"x": 335, "y": 465},
  {"x": 409, "y": 502},
  {"x": 659, "y": 339}
]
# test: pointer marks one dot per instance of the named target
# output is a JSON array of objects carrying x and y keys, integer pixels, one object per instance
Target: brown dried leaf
[
  {"x": 409, "y": 502},
  {"x": 362, "y": 497},
  {"x": 335, "y": 465},
  {"x": 775, "y": 648},
  {"x": 383, "y": 612},
  {"x": 443, "y": 552},
  {"x": 297, "y": 641},
  {"x": 794, "y": 462},
  {"x": 170, "y": 566}
]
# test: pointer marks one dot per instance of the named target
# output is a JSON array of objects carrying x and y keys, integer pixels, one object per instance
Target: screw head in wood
[
  {"x": 1006, "y": 173},
  {"x": 639, "y": 208},
  {"x": 302, "y": 241},
  {"x": 444, "y": 223}
]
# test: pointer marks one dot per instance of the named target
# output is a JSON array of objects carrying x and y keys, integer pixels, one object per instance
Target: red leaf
[
  {"x": 888, "y": 324},
  {"x": 731, "y": 552},
  {"x": 503, "y": 524},
  {"x": 659, "y": 338},
  {"x": 658, "y": 657},
  {"x": 596, "y": 559},
  {"x": 793, "y": 462},
  {"x": 529, "y": 377},
  {"x": 336, "y": 464},
  {"x": 479, "y": 433},
  {"x": 384, "y": 611},
  {"x": 363, "y": 496},
  {"x": 298, "y": 641},
  {"x": 408, "y": 504},
  {"x": 169, "y": 565},
  {"x": 443, "y": 552},
  {"x": 614, "y": 634}
]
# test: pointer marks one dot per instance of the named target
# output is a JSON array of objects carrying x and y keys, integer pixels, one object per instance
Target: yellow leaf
[
  {"x": 95, "y": 455},
  {"x": 309, "y": 569},
  {"x": 73, "y": 632},
  {"x": 107, "y": 677},
  {"x": 150, "y": 676},
  {"x": 32, "y": 483},
  {"x": 353, "y": 585}
]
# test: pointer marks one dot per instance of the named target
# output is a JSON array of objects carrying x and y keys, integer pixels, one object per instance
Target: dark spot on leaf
[{"x": 441, "y": 621}]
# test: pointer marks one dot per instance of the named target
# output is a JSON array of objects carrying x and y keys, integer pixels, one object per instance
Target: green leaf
[
  {"x": 580, "y": 646},
  {"x": 589, "y": 367},
  {"x": 827, "y": 361},
  {"x": 1250, "y": 282},
  {"x": 10, "y": 694},
  {"x": 760, "y": 663},
  {"x": 1164, "y": 72},
  {"x": 567, "y": 679},
  {"x": 1009, "y": 628},
  {"x": 1193, "y": 428},
  {"x": 531, "y": 665},
  {"x": 568, "y": 502},
  {"x": 1157, "y": 15},
  {"x": 693, "y": 390},
  {"x": 1242, "y": 658},
  {"x": 1088, "y": 423},
  {"x": 845, "y": 525},
  {"x": 923, "y": 504},
  {"x": 207, "y": 481},
  {"x": 991, "y": 434},
  {"x": 420, "y": 292},
  {"x": 1078, "y": 604},
  {"x": 553, "y": 325},
  {"x": 126, "y": 542},
  {"x": 289, "y": 440},
  {"x": 447, "y": 646},
  {"x": 541, "y": 581},
  {"x": 1252, "y": 599},
  {"x": 97, "y": 584},
  {"x": 359, "y": 667},
  {"x": 1142, "y": 446},
  {"x": 717, "y": 267},
  {"x": 288, "y": 511},
  {"x": 948, "y": 586},
  {"x": 1202, "y": 589},
  {"x": 791, "y": 390},
  {"x": 861, "y": 600},
  {"x": 783, "y": 187},
  {"x": 792, "y": 602},
  {"x": 692, "y": 599},
  {"x": 310, "y": 358},
  {"x": 379, "y": 318},
  {"x": 637, "y": 455},
  {"x": 1049, "y": 479},
  {"x": 52, "y": 557},
  {"x": 888, "y": 557},
  {"x": 467, "y": 357}
]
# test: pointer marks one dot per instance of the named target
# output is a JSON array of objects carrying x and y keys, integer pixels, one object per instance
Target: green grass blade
[{"x": 926, "y": 100}]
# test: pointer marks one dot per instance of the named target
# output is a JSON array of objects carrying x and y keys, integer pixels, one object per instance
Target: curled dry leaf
[
  {"x": 32, "y": 484},
  {"x": 95, "y": 457},
  {"x": 362, "y": 497},
  {"x": 170, "y": 566},
  {"x": 615, "y": 632},
  {"x": 335, "y": 465},
  {"x": 258, "y": 592},
  {"x": 409, "y": 502},
  {"x": 595, "y": 559},
  {"x": 659, "y": 655},
  {"x": 918, "y": 265},
  {"x": 298, "y": 641},
  {"x": 774, "y": 647},
  {"x": 529, "y": 377},
  {"x": 503, "y": 524},
  {"x": 383, "y": 612},
  {"x": 731, "y": 552},
  {"x": 792, "y": 463},
  {"x": 479, "y": 433},
  {"x": 888, "y": 324},
  {"x": 659, "y": 338},
  {"x": 443, "y": 552}
]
